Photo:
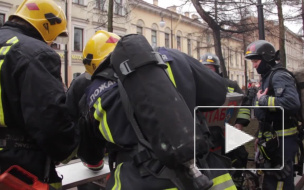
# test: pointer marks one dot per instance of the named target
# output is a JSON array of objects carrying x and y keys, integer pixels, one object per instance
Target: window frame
[
  {"x": 189, "y": 46},
  {"x": 178, "y": 42},
  {"x": 118, "y": 7},
  {"x": 79, "y": 2},
  {"x": 3, "y": 20},
  {"x": 154, "y": 38},
  {"x": 167, "y": 40},
  {"x": 139, "y": 28},
  {"x": 82, "y": 38}
]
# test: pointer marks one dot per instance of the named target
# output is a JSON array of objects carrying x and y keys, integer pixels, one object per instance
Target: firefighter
[
  {"x": 76, "y": 103},
  {"x": 108, "y": 122},
  {"x": 238, "y": 156},
  {"x": 35, "y": 128},
  {"x": 284, "y": 94}
]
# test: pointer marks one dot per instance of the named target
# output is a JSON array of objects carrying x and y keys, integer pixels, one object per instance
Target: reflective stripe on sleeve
[
  {"x": 230, "y": 89},
  {"x": 244, "y": 113},
  {"x": 3, "y": 51},
  {"x": 101, "y": 115},
  {"x": 280, "y": 133},
  {"x": 223, "y": 182},
  {"x": 271, "y": 101}
]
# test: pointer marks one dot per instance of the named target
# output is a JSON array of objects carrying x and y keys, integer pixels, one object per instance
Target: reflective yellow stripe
[
  {"x": 223, "y": 182},
  {"x": 280, "y": 185},
  {"x": 263, "y": 151},
  {"x": 56, "y": 185},
  {"x": 280, "y": 133},
  {"x": 244, "y": 113},
  {"x": 169, "y": 70},
  {"x": 287, "y": 132},
  {"x": 257, "y": 103},
  {"x": 1, "y": 149},
  {"x": 171, "y": 188},
  {"x": 271, "y": 103},
  {"x": 101, "y": 115},
  {"x": 117, "y": 185},
  {"x": 230, "y": 89},
  {"x": 3, "y": 51}
]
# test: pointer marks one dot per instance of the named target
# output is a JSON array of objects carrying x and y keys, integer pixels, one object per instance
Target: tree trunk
[
  {"x": 110, "y": 16},
  {"x": 216, "y": 34},
  {"x": 218, "y": 51},
  {"x": 282, "y": 34}
]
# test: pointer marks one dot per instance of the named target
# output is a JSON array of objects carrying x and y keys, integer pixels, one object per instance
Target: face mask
[{"x": 263, "y": 68}]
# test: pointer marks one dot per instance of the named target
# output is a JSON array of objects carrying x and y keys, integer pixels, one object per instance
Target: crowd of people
[{"x": 135, "y": 105}]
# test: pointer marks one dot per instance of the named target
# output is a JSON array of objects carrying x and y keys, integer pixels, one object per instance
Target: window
[
  {"x": 2, "y": 19},
  {"x": 78, "y": 39},
  {"x": 189, "y": 46},
  {"x": 198, "y": 50},
  {"x": 236, "y": 59},
  {"x": 100, "y": 4},
  {"x": 55, "y": 46},
  {"x": 154, "y": 38},
  {"x": 118, "y": 7},
  {"x": 178, "y": 43},
  {"x": 80, "y": 2},
  {"x": 139, "y": 30},
  {"x": 167, "y": 40}
]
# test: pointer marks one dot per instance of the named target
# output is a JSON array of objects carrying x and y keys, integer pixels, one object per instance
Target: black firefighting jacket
[
  {"x": 285, "y": 95},
  {"x": 198, "y": 85},
  {"x": 34, "y": 120}
]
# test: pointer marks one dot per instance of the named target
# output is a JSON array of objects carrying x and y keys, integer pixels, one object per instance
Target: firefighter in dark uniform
[
  {"x": 76, "y": 104},
  {"x": 238, "y": 156},
  {"x": 109, "y": 124},
  {"x": 284, "y": 94},
  {"x": 35, "y": 128}
]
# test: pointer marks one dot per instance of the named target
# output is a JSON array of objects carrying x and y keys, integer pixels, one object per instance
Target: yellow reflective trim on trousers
[
  {"x": 271, "y": 103},
  {"x": 3, "y": 51},
  {"x": 101, "y": 115},
  {"x": 230, "y": 89},
  {"x": 170, "y": 73},
  {"x": 117, "y": 185},
  {"x": 280, "y": 185},
  {"x": 223, "y": 182},
  {"x": 56, "y": 185},
  {"x": 171, "y": 188},
  {"x": 257, "y": 103}
]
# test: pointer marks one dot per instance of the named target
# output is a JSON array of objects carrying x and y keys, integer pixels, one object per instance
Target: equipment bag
[
  {"x": 161, "y": 113},
  {"x": 16, "y": 178}
]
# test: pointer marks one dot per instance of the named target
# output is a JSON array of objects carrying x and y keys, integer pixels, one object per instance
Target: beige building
[{"x": 161, "y": 27}]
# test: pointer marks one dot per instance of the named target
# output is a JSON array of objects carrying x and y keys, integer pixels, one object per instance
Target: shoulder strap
[
  {"x": 273, "y": 71},
  {"x": 130, "y": 115}
]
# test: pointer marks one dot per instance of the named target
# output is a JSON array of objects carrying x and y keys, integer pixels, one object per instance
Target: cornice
[
  {"x": 6, "y": 5},
  {"x": 166, "y": 13}
]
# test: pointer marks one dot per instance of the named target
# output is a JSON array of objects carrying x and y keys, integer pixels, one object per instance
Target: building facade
[{"x": 162, "y": 27}]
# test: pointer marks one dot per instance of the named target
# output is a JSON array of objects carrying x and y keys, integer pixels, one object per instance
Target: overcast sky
[{"x": 188, "y": 7}]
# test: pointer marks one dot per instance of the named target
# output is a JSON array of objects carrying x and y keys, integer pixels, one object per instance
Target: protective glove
[{"x": 95, "y": 167}]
